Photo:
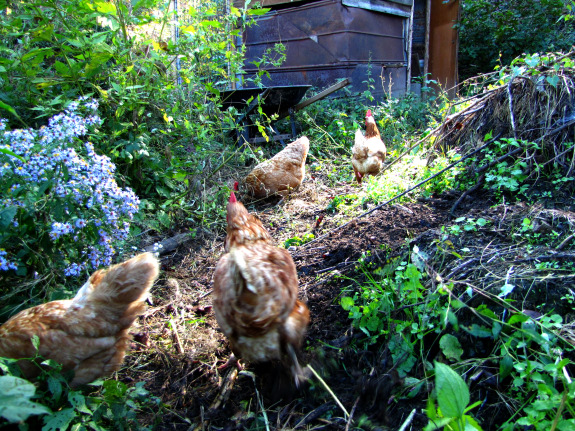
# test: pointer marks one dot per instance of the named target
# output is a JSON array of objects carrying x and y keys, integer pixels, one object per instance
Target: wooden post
[{"x": 409, "y": 48}]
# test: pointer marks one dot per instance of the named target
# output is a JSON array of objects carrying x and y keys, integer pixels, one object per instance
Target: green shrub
[{"x": 61, "y": 210}]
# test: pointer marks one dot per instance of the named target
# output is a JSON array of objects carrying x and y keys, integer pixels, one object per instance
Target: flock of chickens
[{"x": 254, "y": 295}]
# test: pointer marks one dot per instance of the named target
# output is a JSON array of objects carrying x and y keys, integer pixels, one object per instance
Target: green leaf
[
  {"x": 505, "y": 366},
  {"x": 15, "y": 404},
  {"x": 478, "y": 331},
  {"x": 257, "y": 12},
  {"x": 452, "y": 392},
  {"x": 518, "y": 318},
  {"x": 78, "y": 401},
  {"x": 347, "y": 303},
  {"x": 59, "y": 421},
  {"x": 6, "y": 217},
  {"x": 553, "y": 80},
  {"x": 451, "y": 347},
  {"x": 7, "y": 108},
  {"x": 11, "y": 153}
]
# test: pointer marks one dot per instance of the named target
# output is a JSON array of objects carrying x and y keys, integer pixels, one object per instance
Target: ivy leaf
[
  {"x": 452, "y": 392},
  {"x": 451, "y": 347},
  {"x": 553, "y": 80}
]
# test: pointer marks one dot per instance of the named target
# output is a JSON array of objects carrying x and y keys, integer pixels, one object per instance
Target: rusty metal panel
[{"x": 326, "y": 40}]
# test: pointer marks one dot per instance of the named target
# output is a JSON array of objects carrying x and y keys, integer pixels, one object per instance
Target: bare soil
[{"x": 178, "y": 346}]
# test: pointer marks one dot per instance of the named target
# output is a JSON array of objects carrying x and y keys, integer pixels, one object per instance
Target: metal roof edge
[{"x": 378, "y": 7}]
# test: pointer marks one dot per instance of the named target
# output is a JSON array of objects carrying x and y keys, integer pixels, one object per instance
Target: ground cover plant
[{"x": 449, "y": 307}]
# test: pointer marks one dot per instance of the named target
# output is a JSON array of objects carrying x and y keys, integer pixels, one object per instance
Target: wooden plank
[
  {"x": 323, "y": 94},
  {"x": 271, "y": 138}
]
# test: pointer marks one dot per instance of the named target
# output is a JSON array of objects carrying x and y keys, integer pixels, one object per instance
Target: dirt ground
[{"x": 178, "y": 346}]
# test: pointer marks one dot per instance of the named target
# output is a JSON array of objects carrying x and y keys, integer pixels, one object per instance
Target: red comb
[
  {"x": 368, "y": 113},
  {"x": 236, "y": 186},
  {"x": 233, "y": 198}
]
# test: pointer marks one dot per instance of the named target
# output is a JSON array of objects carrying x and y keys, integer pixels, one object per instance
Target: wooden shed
[{"x": 329, "y": 40}]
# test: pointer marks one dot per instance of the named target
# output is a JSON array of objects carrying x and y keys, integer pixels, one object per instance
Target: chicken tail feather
[{"x": 121, "y": 286}]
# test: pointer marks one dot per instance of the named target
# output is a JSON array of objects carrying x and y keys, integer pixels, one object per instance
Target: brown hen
[
  {"x": 255, "y": 294},
  {"x": 89, "y": 333},
  {"x": 280, "y": 174},
  {"x": 369, "y": 151}
]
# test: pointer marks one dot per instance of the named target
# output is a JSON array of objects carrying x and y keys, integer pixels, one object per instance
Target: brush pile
[{"x": 532, "y": 101}]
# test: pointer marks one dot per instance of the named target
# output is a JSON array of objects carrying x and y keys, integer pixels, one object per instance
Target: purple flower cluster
[
  {"x": 79, "y": 180},
  {"x": 5, "y": 265}
]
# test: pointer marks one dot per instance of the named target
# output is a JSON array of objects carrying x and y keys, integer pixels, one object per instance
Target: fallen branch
[{"x": 467, "y": 193}]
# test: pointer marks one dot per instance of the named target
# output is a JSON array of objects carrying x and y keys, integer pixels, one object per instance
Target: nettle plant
[{"x": 60, "y": 205}]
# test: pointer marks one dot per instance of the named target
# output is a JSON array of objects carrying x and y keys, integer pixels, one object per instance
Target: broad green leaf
[
  {"x": 213, "y": 23},
  {"x": 482, "y": 309},
  {"x": 257, "y": 12},
  {"x": 553, "y": 80},
  {"x": 15, "y": 404},
  {"x": 452, "y": 392},
  {"x": 106, "y": 7},
  {"x": 78, "y": 401},
  {"x": 59, "y": 421},
  {"x": 6, "y": 217},
  {"x": 478, "y": 331},
  {"x": 518, "y": 318},
  {"x": 347, "y": 302},
  {"x": 451, "y": 347}
]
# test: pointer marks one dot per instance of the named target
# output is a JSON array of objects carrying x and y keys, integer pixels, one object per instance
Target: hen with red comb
[
  {"x": 255, "y": 294},
  {"x": 369, "y": 151}
]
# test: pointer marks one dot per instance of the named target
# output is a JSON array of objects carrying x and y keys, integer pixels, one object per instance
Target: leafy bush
[
  {"x": 509, "y": 27},
  {"x": 159, "y": 96},
  {"x": 60, "y": 206},
  {"x": 100, "y": 406}
]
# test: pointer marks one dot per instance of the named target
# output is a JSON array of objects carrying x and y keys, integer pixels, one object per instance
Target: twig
[
  {"x": 407, "y": 421},
  {"x": 339, "y": 265},
  {"x": 179, "y": 347},
  {"x": 466, "y": 193},
  {"x": 558, "y": 256},
  {"x": 460, "y": 267},
  {"x": 564, "y": 242},
  {"x": 511, "y": 114},
  {"x": 338, "y": 402},
  {"x": 226, "y": 390},
  {"x": 351, "y": 414}
]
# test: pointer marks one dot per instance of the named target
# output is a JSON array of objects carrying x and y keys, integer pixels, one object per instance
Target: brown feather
[
  {"x": 255, "y": 292},
  {"x": 280, "y": 174},
  {"x": 89, "y": 333}
]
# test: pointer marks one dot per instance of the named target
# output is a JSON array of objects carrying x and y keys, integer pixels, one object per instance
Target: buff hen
[
  {"x": 369, "y": 151},
  {"x": 255, "y": 294},
  {"x": 280, "y": 174},
  {"x": 89, "y": 333}
]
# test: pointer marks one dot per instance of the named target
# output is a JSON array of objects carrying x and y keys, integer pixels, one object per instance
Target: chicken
[
  {"x": 89, "y": 333},
  {"x": 369, "y": 151},
  {"x": 255, "y": 294},
  {"x": 280, "y": 174}
]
